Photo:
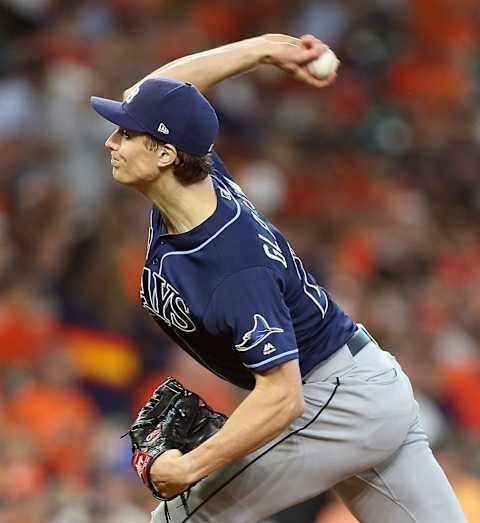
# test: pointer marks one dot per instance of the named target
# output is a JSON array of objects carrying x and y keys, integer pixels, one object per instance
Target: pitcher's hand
[{"x": 292, "y": 55}]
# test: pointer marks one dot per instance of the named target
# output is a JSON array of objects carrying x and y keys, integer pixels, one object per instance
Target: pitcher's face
[{"x": 132, "y": 162}]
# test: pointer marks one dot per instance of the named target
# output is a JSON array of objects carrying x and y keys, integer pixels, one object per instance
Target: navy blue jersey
[{"x": 234, "y": 295}]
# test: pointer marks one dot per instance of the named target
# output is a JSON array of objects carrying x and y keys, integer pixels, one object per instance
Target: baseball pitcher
[{"x": 327, "y": 408}]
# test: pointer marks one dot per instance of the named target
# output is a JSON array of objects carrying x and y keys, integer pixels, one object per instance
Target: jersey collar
[{"x": 224, "y": 212}]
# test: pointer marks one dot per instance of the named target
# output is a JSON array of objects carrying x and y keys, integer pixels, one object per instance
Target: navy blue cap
[{"x": 174, "y": 112}]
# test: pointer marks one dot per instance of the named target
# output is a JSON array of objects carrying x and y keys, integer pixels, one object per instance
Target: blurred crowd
[{"x": 375, "y": 181}]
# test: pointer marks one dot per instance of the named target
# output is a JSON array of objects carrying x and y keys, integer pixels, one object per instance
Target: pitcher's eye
[{"x": 125, "y": 133}]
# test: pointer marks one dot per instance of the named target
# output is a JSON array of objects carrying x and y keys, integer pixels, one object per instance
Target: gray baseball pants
[{"x": 367, "y": 444}]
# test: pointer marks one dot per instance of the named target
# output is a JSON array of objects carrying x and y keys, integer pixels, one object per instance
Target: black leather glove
[{"x": 173, "y": 418}]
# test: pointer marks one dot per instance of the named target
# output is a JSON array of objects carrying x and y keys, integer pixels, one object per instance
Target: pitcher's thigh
[
  {"x": 204, "y": 506},
  {"x": 280, "y": 479},
  {"x": 410, "y": 487},
  {"x": 257, "y": 491}
]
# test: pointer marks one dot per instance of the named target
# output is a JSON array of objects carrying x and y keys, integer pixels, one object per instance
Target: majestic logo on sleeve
[
  {"x": 163, "y": 301},
  {"x": 260, "y": 332}
]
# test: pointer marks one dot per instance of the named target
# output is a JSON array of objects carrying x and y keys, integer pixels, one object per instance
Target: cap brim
[{"x": 113, "y": 111}]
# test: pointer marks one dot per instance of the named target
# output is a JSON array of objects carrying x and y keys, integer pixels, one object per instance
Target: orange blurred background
[{"x": 375, "y": 181}]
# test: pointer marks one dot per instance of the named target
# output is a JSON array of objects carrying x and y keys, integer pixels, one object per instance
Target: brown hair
[{"x": 188, "y": 169}]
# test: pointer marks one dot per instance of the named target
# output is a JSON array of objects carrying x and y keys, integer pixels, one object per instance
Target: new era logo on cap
[{"x": 162, "y": 128}]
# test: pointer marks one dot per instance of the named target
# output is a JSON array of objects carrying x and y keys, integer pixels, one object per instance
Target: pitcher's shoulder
[{"x": 248, "y": 243}]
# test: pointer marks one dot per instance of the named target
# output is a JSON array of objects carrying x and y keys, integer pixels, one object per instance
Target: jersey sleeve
[
  {"x": 249, "y": 307},
  {"x": 219, "y": 167}
]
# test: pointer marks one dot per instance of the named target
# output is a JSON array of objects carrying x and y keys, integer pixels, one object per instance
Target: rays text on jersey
[{"x": 163, "y": 301}]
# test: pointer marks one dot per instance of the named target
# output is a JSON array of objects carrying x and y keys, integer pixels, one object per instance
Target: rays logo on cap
[{"x": 260, "y": 332}]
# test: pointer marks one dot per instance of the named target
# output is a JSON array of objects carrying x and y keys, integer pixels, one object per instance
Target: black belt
[{"x": 360, "y": 338}]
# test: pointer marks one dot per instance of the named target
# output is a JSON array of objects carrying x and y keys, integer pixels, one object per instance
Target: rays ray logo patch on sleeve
[{"x": 260, "y": 332}]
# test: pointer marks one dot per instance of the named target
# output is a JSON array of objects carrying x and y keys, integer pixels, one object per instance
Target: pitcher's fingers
[
  {"x": 310, "y": 40},
  {"x": 311, "y": 53},
  {"x": 313, "y": 44}
]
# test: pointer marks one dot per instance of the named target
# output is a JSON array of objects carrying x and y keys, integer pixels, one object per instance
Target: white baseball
[{"x": 323, "y": 66}]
